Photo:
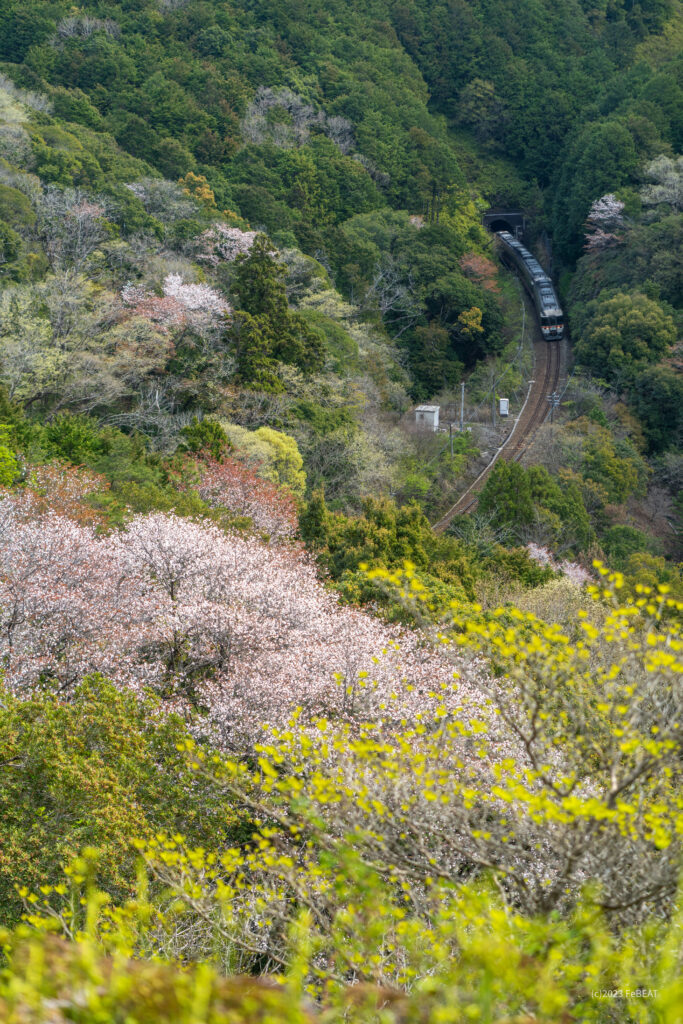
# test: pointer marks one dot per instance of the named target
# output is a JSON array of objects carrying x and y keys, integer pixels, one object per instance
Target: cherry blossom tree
[
  {"x": 231, "y": 484},
  {"x": 667, "y": 173},
  {"x": 223, "y": 243},
  {"x": 606, "y": 211},
  {"x": 195, "y": 305},
  {"x": 226, "y": 623},
  {"x": 480, "y": 270},
  {"x": 64, "y": 490},
  {"x": 573, "y": 571},
  {"x": 249, "y": 631},
  {"x": 294, "y": 128},
  {"x": 605, "y": 217},
  {"x": 167, "y": 201},
  {"x": 163, "y": 310},
  {"x": 196, "y": 297},
  {"x": 71, "y": 225},
  {"x": 82, "y": 27},
  {"x": 65, "y": 607}
]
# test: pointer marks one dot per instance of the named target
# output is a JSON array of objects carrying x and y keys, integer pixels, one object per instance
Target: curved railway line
[{"x": 547, "y": 361}]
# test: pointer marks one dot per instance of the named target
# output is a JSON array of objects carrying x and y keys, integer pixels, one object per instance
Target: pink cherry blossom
[
  {"x": 572, "y": 570},
  {"x": 196, "y": 297},
  {"x": 63, "y": 489},
  {"x": 223, "y": 243},
  {"x": 162, "y": 310},
  {"x": 604, "y": 218},
  {"x": 64, "y": 609},
  {"x": 607, "y": 211},
  {"x": 179, "y": 305},
  {"x": 232, "y": 485},
  {"x": 240, "y": 628}
]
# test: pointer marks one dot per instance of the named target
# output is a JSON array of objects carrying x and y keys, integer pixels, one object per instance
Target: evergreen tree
[
  {"x": 272, "y": 332},
  {"x": 507, "y": 495},
  {"x": 205, "y": 437},
  {"x": 314, "y": 520},
  {"x": 258, "y": 286},
  {"x": 657, "y": 399},
  {"x": 250, "y": 340}
]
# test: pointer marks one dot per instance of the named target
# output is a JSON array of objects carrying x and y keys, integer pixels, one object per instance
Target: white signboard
[{"x": 504, "y": 406}]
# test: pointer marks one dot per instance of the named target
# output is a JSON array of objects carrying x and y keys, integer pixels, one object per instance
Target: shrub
[
  {"x": 100, "y": 769},
  {"x": 9, "y": 466},
  {"x": 461, "y": 957},
  {"x": 512, "y": 857}
]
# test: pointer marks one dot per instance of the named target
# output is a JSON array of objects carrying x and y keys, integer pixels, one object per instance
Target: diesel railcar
[{"x": 536, "y": 282}]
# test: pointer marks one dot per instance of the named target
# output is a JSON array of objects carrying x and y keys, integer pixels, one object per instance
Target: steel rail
[{"x": 547, "y": 361}]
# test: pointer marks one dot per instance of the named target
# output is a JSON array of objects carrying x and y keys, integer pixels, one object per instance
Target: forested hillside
[
  {"x": 272, "y": 748},
  {"x": 369, "y": 138}
]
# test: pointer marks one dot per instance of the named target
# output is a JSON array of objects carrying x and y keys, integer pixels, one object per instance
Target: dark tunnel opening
[{"x": 501, "y": 225}]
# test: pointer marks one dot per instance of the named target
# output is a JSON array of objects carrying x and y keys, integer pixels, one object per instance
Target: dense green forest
[
  {"x": 368, "y": 139},
  {"x": 271, "y": 747}
]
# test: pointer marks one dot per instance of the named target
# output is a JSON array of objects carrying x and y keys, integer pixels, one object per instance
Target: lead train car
[{"x": 537, "y": 283}]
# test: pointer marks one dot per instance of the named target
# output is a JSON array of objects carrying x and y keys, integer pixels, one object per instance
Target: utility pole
[
  {"x": 462, "y": 406},
  {"x": 554, "y": 400},
  {"x": 450, "y": 434}
]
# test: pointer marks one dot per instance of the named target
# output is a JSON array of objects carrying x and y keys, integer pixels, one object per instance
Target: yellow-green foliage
[
  {"x": 508, "y": 857},
  {"x": 101, "y": 769},
  {"x": 559, "y": 600},
  {"x": 275, "y": 455},
  {"x": 53, "y": 981},
  {"x": 616, "y": 465},
  {"x": 11, "y": 111},
  {"x": 9, "y": 466},
  {"x": 457, "y": 955}
]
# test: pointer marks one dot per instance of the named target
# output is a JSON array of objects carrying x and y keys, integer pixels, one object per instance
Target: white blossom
[
  {"x": 221, "y": 242},
  {"x": 572, "y": 570},
  {"x": 300, "y": 117},
  {"x": 242, "y": 628},
  {"x": 604, "y": 218},
  {"x": 667, "y": 173},
  {"x": 196, "y": 297}
]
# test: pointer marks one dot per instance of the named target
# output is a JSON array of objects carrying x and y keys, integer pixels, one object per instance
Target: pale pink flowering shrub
[
  {"x": 66, "y": 607},
  {"x": 572, "y": 570},
  {"x": 540, "y": 554},
  {"x": 131, "y": 293},
  {"x": 227, "y": 623},
  {"x": 221, "y": 242},
  {"x": 64, "y": 490},
  {"x": 606, "y": 211},
  {"x": 196, "y": 297},
  {"x": 163, "y": 311},
  {"x": 576, "y": 573},
  {"x": 232, "y": 485},
  {"x": 181, "y": 303},
  {"x": 604, "y": 218}
]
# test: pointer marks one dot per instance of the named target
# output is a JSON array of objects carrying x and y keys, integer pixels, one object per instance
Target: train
[{"x": 537, "y": 283}]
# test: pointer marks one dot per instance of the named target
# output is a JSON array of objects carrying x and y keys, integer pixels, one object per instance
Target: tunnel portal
[{"x": 513, "y": 221}]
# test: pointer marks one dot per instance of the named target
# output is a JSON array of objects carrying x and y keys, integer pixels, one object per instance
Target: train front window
[{"x": 552, "y": 324}]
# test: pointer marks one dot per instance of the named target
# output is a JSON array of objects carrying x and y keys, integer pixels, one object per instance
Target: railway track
[{"x": 547, "y": 360}]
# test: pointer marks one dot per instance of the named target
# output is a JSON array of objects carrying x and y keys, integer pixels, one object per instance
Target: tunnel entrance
[
  {"x": 513, "y": 221},
  {"x": 501, "y": 225}
]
